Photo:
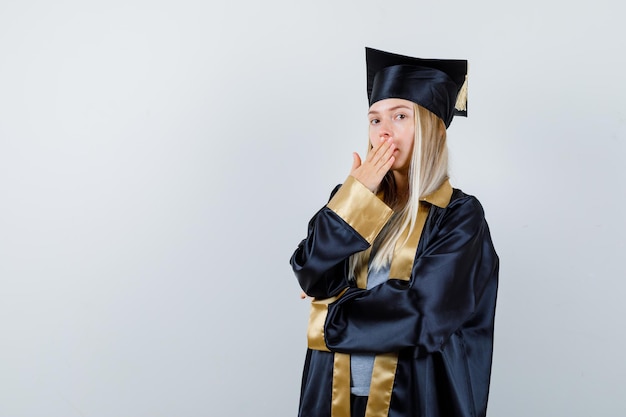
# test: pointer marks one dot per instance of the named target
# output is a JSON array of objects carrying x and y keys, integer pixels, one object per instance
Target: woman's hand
[{"x": 377, "y": 163}]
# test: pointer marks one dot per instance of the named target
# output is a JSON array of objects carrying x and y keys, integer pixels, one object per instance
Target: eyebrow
[{"x": 399, "y": 106}]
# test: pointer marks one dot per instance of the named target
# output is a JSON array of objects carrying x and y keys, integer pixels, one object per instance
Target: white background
[{"x": 159, "y": 162}]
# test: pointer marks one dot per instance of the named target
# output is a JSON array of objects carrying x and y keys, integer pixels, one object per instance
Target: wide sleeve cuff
[
  {"x": 360, "y": 208},
  {"x": 317, "y": 319}
]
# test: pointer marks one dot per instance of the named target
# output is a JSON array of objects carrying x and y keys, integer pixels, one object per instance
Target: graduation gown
[{"x": 430, "y": 325}]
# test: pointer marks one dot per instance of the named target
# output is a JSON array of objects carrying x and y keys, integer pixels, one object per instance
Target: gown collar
[{"x": 441, "y": 196}]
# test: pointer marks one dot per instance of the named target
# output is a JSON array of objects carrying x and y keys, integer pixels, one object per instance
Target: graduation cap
[{"x": 439, "y": 85}]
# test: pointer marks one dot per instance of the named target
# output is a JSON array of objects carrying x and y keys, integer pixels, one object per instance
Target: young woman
[{"x": 401, "y": 265}]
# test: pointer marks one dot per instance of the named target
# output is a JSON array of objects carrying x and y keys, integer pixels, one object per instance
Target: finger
[
  {"x": 381, "y": 160},
  {"x": 387, "y": 166},
  {"x": 377, "y": 152},
  {"x": 375, "y": 156},
  {"x": 356, "y": 161},
  {"x": 388, "y": 154}
]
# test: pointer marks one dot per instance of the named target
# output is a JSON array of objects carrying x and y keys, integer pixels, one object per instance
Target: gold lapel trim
[
  {"x": 361, "y": 279},
  {"x": 404, "y": 252},
  {"x": 340, "y": 406},
  {"x": 441, "y": 196},
  {"x": 381, "y": 387}
]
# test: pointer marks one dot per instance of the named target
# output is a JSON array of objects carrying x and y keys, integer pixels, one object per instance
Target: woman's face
[{"x": 394, "y": 118}]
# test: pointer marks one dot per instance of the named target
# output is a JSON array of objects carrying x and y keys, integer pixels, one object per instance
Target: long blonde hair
[{"x": 428, "y": 170}]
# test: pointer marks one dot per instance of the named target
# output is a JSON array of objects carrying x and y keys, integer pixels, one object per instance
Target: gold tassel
[{"x": 461, "y": 98}]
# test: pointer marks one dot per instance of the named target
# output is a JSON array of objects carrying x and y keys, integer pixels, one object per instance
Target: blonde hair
[{"x": 428, "y": 170}]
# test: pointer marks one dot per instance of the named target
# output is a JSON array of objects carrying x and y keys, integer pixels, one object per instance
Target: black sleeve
[
  {"x": 320, "y": 261},
  {"x": 348, "y": 224}
]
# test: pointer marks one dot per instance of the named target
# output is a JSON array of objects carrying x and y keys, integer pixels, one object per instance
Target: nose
[{"x": 384, "y": 130}]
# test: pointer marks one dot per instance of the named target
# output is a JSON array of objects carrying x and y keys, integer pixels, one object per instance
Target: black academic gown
[{"x": 440, "y": 322}]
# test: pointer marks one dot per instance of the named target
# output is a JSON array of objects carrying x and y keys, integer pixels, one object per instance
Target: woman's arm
[
  {"x": 448, "y": 280},
  {"x": 347, "y": 224}
]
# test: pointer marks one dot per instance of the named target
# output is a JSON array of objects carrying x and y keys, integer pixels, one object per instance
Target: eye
[
  {"x": 374, "y": 121},
  {"x": 401, "y": 116}
]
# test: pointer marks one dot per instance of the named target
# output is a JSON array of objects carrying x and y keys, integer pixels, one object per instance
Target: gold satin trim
[
  {"x": 404, "y": 252},
  {"x": 317, "y": 318},
  {"x": 341, "y": 386},
  {"x": 383, "y": 377},
  {"x": 361, "y": 279},
  {"x": 360, "y": 208},
  {"x": 441, "y": 196}
]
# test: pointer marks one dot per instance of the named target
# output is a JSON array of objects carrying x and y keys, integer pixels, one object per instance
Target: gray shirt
[{"x": 361, "y": 364}]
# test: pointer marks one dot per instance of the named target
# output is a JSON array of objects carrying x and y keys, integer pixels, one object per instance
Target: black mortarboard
[{"x": 439, "y": 85}]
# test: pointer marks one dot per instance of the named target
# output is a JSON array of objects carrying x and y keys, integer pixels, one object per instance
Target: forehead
[{"x": 390, "y": 104}]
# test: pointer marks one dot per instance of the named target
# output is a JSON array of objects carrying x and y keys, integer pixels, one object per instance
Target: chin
[
  {"x": 402, "y": 172},
  {"x": 400, "y": 167}
]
